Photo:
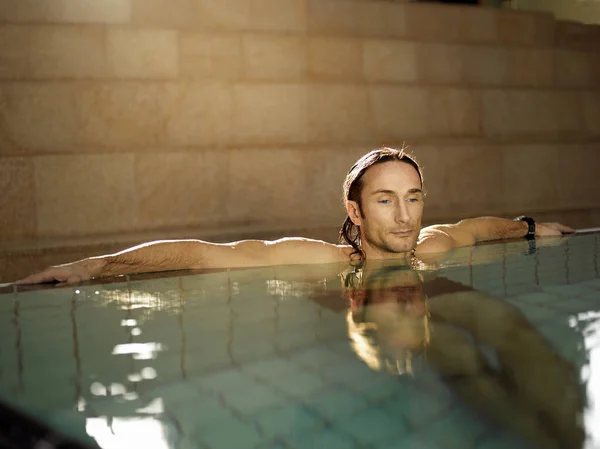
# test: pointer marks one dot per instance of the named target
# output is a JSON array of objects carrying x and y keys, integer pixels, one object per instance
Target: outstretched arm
[
  {"x": 170, "y": 255},
  {"x": 440, "y": 238}
]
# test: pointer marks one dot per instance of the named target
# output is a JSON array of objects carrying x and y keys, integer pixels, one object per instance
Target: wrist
[
  {"x": 93, "y": 266},
  {"x": 529, "y": 227}
]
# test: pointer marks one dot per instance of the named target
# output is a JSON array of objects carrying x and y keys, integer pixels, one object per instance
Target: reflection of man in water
[{"x": 483, "y": 348}]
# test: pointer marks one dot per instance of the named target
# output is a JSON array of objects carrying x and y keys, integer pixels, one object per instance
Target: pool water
[{"x": 495, "y": 347}]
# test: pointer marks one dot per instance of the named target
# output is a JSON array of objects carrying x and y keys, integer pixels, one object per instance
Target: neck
[
  {"x": 401, "y": 262},
  {"x": 387, "y": 257}
]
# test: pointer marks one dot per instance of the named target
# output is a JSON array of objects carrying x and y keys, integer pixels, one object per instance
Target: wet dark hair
[{"x": 350, "y": 233}]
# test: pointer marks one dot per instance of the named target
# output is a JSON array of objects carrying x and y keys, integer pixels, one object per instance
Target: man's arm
[
  {"x": 170, "y": 255},
  {"x": 441, "y": 238}
]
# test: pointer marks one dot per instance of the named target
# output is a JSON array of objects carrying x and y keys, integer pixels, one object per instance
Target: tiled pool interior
[{"x": 245, "y": 359}]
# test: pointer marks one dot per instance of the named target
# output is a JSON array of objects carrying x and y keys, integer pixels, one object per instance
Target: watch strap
[{"x": 531, "y": 226}]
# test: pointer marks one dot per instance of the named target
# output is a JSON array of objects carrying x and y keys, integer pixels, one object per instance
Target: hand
[
  {"x": 70, "y": 273},
  {"x": 552, "y": 229}
]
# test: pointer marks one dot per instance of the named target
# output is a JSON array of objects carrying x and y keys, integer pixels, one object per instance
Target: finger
[
  {"x": 32, "y": 279},
  {"x": 40, "y": 278},
  {"x": 565, "y": 229},
  {"x": 554, "y": 229},
  {"x": 23, "y": 281}
]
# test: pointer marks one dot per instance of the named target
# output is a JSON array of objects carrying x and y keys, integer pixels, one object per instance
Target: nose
[{"x": 402, "y": 213}]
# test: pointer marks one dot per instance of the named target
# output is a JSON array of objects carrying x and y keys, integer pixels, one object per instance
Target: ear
[{"x": 354, "y": 212}]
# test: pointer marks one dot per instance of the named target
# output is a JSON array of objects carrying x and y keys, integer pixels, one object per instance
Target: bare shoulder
[
  {"x": 444, "y": 237},
  {"x": 307, "y": 260},
  {"x": 298, "y": 250},
  {"x": 433, "y": 239}
]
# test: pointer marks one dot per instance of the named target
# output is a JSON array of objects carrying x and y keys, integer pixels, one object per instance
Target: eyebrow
[{"x": 391, "y": 192}]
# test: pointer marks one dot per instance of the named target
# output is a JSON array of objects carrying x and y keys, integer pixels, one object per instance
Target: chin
[{"x": 402, "y": 248}]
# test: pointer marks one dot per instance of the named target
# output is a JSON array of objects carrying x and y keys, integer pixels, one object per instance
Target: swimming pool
[{"x": 497, "y": 347}]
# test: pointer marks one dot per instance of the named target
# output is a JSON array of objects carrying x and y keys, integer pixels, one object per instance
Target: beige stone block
[
  {"x": 578, "y": 176},
  {"x": 530, "y": 112},
  {"x": 250, "y": 15},
  {"x": 181, "y": 189},
  {"x": 17, "y": 202},
  {"x": 39, "y": 116},
  {"x": 530, "y": 174},
  {"x": 485, "y": 65},
  {"x": 530, "y": 67},
  {"x": 338, "y": 113},
  {"x": 335, "y": 58},
  {"x": 572, "y": 34},
  {"x": 566, "y": 110},
  {"x": 393, "y": 17},
  {"x": 210, "y": 55},
  {"x": 454, "y": 112},
  {"x": 433, "y": 22},
  {"x": 71, "y": 52},
  {"x": 471, "y": 180},
  {"x": 389, "y": 60},
  {"x": 143, "y": 54},
  {"x": 433, "y": 176},
  {"x": 595, "y": 66},
  {"x": 278, "y": 15},
  {"x": 439, "y": 63},
  {"x": 202, "y": 116},
  {"x": 326, "y": 169},
  {"x": 477, "y": 25},
  {"x": 572, "y": 68},
  {"x": 591, "y": 111},
  {"x": 544, "y": 30},
  {"x": 14, "y": 51},
  {"x": 350, "y": 18},
  {"x": 178, "y": 14},
  {"x": 399, "y": 112},
  {"x": 593, "y": 219},
  {"x": 274, "y": 113},
  {"x": 7, "y": 145},
  {"x": 225, "y": 14},
  {"x": 68, "y": 11},
  {"x": 91, "y": 11},
  {"x": 508, "y": 112},
  {"x": 84, "y": 195},
  {"x": 9, "y": 269},
  {"x": 516, "y": 27},
  {"x": 274, "y": 57},
  {"x": 266, "y": 185},
  {"x": 124, "y": 114}
]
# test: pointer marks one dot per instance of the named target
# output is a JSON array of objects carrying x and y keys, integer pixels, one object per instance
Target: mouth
[{"x": 402, "y": 233}]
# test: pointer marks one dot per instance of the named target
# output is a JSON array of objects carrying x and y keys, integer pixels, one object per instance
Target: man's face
[{"x": 392, "y": 208}]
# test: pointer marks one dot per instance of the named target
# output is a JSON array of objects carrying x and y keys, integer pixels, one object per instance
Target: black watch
[{"x": 531, "y": 223}]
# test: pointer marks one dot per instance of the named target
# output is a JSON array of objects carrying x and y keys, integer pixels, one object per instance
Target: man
[{"x": 384, "y": 198}]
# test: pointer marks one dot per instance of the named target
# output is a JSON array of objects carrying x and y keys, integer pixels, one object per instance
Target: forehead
[{"x": 391, "y": 175}]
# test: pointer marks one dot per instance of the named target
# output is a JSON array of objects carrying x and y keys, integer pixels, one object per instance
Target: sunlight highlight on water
[
  {"x": 124, "y": 433},
  {"x": 591, "y": 418}
]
